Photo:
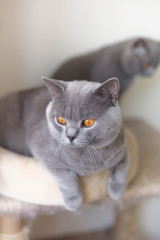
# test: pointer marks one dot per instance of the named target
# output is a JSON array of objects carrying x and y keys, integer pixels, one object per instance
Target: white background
[{"x": 37, "y": 35}]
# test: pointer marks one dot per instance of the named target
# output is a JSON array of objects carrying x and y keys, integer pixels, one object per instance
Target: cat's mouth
[{"x": 77, "y": 144}]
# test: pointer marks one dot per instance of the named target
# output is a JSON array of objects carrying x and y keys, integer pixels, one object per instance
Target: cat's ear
[
  {"x": 139, "y": 47},
  {"x": 109, "y": 90},
  {"x": 56, "y": 88}
]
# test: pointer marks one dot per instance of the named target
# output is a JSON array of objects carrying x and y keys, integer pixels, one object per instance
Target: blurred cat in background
[{"x": 123, "y": 60}]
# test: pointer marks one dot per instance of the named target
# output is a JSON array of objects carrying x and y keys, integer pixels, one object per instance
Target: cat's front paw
[
  {"x": 116, "y": 189},
  {"x": 72, "y": 203}
]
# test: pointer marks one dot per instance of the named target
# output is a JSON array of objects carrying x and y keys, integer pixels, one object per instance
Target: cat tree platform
[{"x": 25, "y": 185}]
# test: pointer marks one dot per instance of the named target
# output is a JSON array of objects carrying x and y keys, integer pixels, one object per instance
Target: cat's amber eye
[
  {"x": 88, "y": 122},
  {"x": 61, "y": 120},
  {"x": 145, "y": 65}
]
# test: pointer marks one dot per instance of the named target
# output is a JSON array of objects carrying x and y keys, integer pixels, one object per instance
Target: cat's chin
[{"x": 76, "y": 145}]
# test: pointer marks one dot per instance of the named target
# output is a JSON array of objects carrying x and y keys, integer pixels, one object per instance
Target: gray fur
[
  {"x": 122, "y": 60},
  {"x": 28, "y": 125}
]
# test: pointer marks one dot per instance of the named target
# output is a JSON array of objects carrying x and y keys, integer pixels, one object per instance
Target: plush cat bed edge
[{"x": 23, "y": 179}]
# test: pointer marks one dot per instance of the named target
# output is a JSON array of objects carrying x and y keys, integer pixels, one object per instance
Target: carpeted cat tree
[{"x": 25, "y": 186}]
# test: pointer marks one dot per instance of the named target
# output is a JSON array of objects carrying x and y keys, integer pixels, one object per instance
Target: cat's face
[
  {"x": 82, "y": 113},
  {"x": 141, "y": 57}
]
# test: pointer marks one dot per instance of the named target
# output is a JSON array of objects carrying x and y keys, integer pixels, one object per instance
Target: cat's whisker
[
  {"x": 84, "y": 143},
  {"x": 57, "y": 152},
  {"x": 62, "y": 140},
  {"x": 96, "y": 157},
  {"x": 44, "y": 156},
  {"x": 98, "y": 154},
  {"x": 92, "y": 154}
]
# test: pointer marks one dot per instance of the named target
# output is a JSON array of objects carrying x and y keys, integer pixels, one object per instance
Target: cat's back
[
  {"x": 18, "y": 113},
  {"x": 18, "y": 104},
  {"x": 107, "y": 63},
  {"x": 35, "y": 100},
  {"x": 82, "y": 67},
  {"x": 76, "y": 68}
]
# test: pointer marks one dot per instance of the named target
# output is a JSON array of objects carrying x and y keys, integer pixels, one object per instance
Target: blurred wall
[{"x": 37, "y": 35}]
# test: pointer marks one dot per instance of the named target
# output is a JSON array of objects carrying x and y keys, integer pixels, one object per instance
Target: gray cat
[
  {"x": 123, "y": 60},
  {"x": 74, "y": 131}
]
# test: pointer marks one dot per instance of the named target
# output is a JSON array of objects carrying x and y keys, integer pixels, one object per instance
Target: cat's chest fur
[
  {"x": 84, "y": 161},
  {"x": 93, "y": 161}
]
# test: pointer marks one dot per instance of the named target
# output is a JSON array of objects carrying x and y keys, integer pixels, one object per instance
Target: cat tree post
[
  {"x": 145, "y": 185},
  {"x": 126, "y": 226},
  {"x": 12, "y": 228}
]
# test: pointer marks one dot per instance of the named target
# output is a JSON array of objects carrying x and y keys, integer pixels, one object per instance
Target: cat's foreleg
[
  {"x": 69, "y": 187},
  {"x": 118, "y": 178}
]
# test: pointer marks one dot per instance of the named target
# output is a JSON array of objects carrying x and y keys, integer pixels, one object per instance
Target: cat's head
[
  {"x": 141, "y": 56},
  {"x": 82, "y": 113}
]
